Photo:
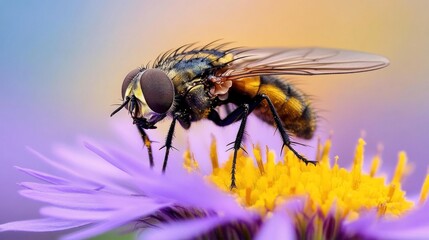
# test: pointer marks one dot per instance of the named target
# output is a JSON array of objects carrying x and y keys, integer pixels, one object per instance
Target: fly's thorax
[
  {"x": 194, "y": 98},
  {"x": 194, "y": 66},
  {"x": 199, "y": 102},
  {"x": 181, "y": 80}
]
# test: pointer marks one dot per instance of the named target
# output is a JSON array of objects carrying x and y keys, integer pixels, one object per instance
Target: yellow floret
[{"x": 263, "y": 185}]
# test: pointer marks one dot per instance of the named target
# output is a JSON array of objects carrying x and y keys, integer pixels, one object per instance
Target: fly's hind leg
[{"x": 280, "y": 127}]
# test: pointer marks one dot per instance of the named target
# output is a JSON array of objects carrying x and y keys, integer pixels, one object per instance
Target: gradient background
[{"x": 62, "y": 65}]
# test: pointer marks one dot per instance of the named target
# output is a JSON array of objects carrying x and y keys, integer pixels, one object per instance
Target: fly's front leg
[
  {"x": 146, "y": 141},
  {"x": 280, "y": 127}
]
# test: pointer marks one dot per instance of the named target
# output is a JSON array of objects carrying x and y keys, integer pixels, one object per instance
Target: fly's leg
[
  {"x": 280, "y": 127},
  {"x": 242, "y": 112},
  {"x": 231, "y": 118},
  {"x": 239, "y": 113},
  {"x": 237, "y": 142},
  {"x": 147, "y": 143},
  {"x": 168, "y": 142}
]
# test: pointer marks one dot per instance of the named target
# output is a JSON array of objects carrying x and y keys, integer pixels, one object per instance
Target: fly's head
[{"x": 148, "y": 95}]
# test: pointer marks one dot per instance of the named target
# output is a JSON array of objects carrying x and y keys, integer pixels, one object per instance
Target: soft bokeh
[{"x": 62, "y": 65}]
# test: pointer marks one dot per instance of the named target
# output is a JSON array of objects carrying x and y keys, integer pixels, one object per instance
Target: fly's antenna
[{"x": 127, "y": 100}]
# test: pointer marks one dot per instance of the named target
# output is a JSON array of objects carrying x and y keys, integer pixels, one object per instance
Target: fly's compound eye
[
  {"x": 130, "y": 76},
  {"x": 158, "y": 90}
]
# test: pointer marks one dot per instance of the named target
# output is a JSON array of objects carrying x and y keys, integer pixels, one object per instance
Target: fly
[{"x": 189, "y": 85}]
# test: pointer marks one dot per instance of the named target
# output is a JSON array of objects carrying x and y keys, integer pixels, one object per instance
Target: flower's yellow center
[{"x": 262, "y": 186}]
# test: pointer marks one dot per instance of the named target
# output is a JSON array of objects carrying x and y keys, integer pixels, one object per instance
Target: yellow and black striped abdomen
[{"x": 292, "y": 105}]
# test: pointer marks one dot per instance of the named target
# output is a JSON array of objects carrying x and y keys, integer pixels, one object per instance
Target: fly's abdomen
[{"x": 292, "y": 105}]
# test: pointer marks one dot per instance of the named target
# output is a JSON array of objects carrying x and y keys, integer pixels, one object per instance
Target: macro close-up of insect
[
  {"x": 190, "y": 84},
  {"x": 189, "y": 120}
]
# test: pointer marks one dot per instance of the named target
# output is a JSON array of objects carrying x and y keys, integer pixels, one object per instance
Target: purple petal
[
  {"x": 44, "y": 176},
  {"x": 365, "y": 223},
  {"x": 330, "y": 225},
  {"x": 97, "y": 200},
  {"x": 193, "y": 191},
  {"x": 278, "y": 227},
  {"x": 118, "y": 160},
  {"x": 41, "y": 225},
  {"x": 83, "y": 177},
  {"x": 116, "y": 220},
  {"x": 62, "y": 167},
  {"x": 418, "y": 217},
  {"x": 74, "y": 214},
  {"x": 419, "y": 233},
  {"x": 96, "y": 169},
  {"x": 58, "y": 188},
  {"x": 414, "y": 225},
  {"x": 293, "y": 205},
  {"x": 184, "y": 229}
]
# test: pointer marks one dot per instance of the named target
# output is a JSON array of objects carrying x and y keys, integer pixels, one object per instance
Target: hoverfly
[{"x": 193, "y": 84}]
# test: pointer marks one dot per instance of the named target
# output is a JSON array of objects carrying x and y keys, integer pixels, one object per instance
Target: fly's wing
[{"x": 299, "y": 61}]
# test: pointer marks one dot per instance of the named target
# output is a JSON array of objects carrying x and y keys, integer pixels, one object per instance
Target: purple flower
[
  {"x": 103, "y": 195},
  {"x": 109, "y": 189}
]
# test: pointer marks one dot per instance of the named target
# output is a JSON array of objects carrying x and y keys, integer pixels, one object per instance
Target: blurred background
[{"x": 62, "y": 64}]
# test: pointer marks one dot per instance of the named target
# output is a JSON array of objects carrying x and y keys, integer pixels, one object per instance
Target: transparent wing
[{"x": 300, "y": 61}]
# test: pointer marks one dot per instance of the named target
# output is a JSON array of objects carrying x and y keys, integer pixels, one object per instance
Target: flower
[
  {"x": 335, "y": 202},
  {"x": 273, "y": 200},
  {"x": 112, "y": 190}
]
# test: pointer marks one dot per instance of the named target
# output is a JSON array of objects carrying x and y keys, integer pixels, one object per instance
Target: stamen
[
  {"x": 325, "y": 154},
  {"x": 400, "y": 168},
  {"x": 375, "y": 164},
  {"x": 248, "y": 195},
  {"x": 336, "y": 166},
  {"x": 381, "y": 209},
  {"x": 270, "y": 164},
  {"x": 189, "y": 163},
  {"x": 258, "y": 156},
  {"x": 357, "y": 164},
  {"x": 425, "y": 190},
  {"x": 213, "y": 154},
  {"x": 392, "y": 189},
  {"x": 187, "y": 160}
]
